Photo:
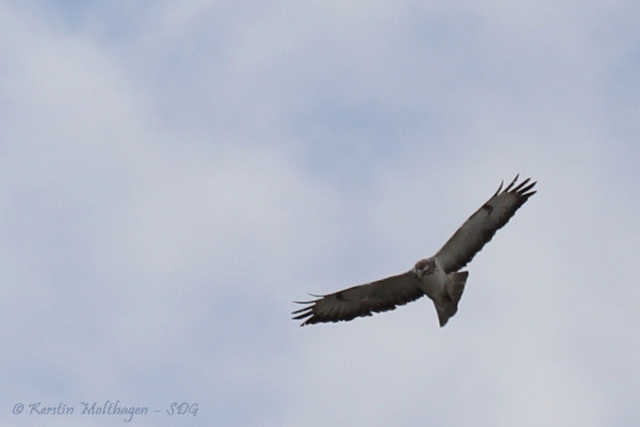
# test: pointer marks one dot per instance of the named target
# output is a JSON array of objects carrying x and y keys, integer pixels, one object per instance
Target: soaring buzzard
[{"x": 437, "y": 277}]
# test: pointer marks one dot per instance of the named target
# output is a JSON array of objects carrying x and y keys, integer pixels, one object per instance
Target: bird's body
[
  {"x": 437, "y": 277},
  {"x": 445, "y": 290},
  {"x": 431, "y": 277}
]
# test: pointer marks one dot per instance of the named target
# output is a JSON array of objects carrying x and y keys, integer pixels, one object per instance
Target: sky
[{"x": 175, "y": 174}]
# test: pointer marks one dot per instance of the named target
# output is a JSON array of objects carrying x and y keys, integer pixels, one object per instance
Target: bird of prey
[{"x": 438, "y": 277}]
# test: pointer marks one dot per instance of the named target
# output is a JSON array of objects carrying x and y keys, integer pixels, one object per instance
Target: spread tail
[{"x": 448, "y": 304}]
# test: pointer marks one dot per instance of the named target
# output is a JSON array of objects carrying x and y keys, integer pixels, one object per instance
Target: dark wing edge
[
  {"x": 360, "y": 301},
  {"x": 479, "y": 229}
]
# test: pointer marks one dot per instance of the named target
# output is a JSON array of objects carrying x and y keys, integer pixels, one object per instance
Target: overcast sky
[{"x": 174, "y": 174}]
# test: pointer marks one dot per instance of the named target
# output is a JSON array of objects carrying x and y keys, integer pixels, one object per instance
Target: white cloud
[{"x": 168, "y": 193}]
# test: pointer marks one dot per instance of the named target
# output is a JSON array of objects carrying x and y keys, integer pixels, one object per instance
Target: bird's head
[{"x": 424, "y": 266}]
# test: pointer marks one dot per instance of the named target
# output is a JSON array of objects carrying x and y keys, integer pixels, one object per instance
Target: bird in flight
[{"x": 438, "y": 277}]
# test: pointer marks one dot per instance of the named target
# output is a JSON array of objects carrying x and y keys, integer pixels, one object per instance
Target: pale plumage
[{"x": 437, "y": 277}]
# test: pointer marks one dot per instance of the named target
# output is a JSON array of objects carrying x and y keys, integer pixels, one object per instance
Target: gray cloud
[{"x": 174, "y": 176}]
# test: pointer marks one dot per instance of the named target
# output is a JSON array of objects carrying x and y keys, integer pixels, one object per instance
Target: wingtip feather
[{"x": 512, "y": 183}]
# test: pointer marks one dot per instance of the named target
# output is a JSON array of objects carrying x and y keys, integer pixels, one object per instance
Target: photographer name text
[{"x": 105, "y": 408}]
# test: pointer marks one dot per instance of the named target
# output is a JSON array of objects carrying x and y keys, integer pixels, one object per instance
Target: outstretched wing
[
  {"x": 483, "y": 224},
  {"x": 363, "y": 300}
]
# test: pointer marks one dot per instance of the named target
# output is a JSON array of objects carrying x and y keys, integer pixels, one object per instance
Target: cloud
[{"x": 175, "y": 176}]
